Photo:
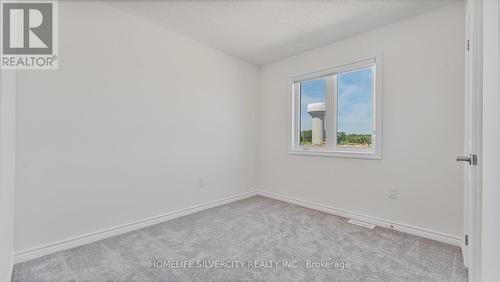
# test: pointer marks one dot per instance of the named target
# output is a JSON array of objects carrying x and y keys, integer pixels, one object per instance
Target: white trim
[
  {"x": 11, "y": 270},
  {"x": 76, "y": 241},
  {"x": 347, "y": 67},
  {"x": 489, "y": 227},
  {"x": 335, "y": 154},
  {"x": 7, "y": 151},
  {"x": 405, "y": 228},
  {"x": 473, "y": 136}
]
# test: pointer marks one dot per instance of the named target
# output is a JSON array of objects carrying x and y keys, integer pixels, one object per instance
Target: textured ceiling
[{"x": 262, "y": 32}]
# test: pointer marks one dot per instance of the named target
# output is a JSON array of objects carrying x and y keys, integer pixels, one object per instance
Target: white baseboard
[
  {"x": 465, "y": 255},
  {"x": 413, "y": 230},
  {"x": 11, "y": 272},
  {"x": 76, "y": 241}
]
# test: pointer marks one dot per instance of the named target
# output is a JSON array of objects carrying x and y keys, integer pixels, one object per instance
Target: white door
[{"x": 471, "y": 157}]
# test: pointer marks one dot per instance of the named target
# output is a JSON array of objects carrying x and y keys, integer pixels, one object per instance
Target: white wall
[
  {"x": 126, "y": 125},
  {"x": 423, "y": 114},
  {"x": 7, "y": 159},
  {"x": 490, "y": 227}
]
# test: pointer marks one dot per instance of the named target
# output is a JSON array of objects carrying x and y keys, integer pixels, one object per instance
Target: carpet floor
[{"x": 256, "y": 239}]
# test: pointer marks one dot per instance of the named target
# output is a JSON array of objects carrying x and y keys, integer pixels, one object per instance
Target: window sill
[{"x": 336, "y": 154}]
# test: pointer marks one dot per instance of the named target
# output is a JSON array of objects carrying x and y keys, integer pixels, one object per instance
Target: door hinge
[
  {"x": 467, "y": 240},
  {"x": 468, "y": 45}
]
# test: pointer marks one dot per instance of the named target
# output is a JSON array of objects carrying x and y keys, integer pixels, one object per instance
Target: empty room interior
[{"x": 347, "y": 140}]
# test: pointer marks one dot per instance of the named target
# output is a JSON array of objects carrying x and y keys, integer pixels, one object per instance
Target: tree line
[
  {"x": 353, "y": 139},
  {"x": 342, "y": 138}
]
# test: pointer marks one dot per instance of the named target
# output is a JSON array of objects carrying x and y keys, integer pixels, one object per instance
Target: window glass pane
[
  {"x": 355, "y": 108},
  {"x": 312, "y": 112}
]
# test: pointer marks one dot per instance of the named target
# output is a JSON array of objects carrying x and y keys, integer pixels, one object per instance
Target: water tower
[{"x": 317, "y": 112}]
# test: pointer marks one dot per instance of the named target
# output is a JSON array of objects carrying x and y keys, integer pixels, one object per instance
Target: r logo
[{"x": 27, "y": 28}]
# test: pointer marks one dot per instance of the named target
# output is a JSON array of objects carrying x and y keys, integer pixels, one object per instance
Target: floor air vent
[{"x": 361, "y": 223}]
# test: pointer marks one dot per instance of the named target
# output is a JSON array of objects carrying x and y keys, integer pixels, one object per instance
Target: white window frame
[{"x": 331, "y": 149}]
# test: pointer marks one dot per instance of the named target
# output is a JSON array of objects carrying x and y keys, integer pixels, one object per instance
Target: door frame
[
  {"x": 473, "y": 137},
  {"x": 7, "y": 167},
  {"x": 490, "y": 192}
]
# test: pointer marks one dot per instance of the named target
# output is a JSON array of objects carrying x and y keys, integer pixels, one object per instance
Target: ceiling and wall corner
[{"x": 263, "y": 32}]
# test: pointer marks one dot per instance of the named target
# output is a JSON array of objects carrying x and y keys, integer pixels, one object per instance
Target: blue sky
[
  {"x": 354, "y": 101},
  {"x": 311, "y": 91}
]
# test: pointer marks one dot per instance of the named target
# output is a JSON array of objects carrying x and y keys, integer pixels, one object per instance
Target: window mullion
[
  {"x": 329, "y": 113},
  {"x": 334, "y": 107},
  {"x": 296, "y": 127},
  {"x": 375, "y": 108}
]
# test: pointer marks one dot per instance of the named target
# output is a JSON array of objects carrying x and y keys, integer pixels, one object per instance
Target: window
[
  {"x": 336, "y": 112},
  {"x": 312, "y": 112}
]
